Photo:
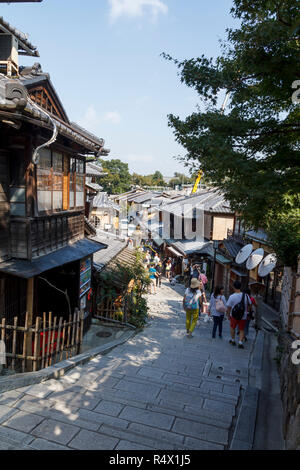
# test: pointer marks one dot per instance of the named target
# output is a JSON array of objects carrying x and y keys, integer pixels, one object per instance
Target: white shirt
[{"x": 236, "y": 298}]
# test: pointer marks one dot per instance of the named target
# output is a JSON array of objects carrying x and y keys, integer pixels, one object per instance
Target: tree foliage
[
  {"x": 118, "y": 178},
  {"x": 252, "y": 150}
]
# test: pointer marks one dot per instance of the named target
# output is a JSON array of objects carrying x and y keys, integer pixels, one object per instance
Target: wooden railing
[
  {"x": 112, "y": 310},
  {"x": 49, "y": 340}
]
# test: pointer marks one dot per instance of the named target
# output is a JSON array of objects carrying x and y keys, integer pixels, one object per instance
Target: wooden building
[{"x": 45, "y": 259}]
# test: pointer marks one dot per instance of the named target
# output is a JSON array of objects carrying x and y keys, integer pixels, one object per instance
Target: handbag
[{"x": 220, "y": 307}]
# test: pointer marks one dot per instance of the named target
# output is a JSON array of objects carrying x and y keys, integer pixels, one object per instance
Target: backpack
[
  {"x": 220, "y": 307},
  {"x": 190, "y": 301},
  {"x": 239, "y": 309}
]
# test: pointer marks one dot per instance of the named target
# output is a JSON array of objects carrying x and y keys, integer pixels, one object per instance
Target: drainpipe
[{"x": 35, "y": 156}]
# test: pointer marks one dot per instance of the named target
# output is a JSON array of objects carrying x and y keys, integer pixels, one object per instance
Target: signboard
[{"x": 85, "y": 276}]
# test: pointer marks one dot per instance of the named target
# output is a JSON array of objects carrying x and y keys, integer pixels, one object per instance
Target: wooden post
[
  {"x": 3, "y": 329},
  {"x": 69, "y": 336},
  {"x": 44, "y": 340},
  {"x": 62, "y": 341},
  {"x": 81, "y": 329},
  {"x": 29, "y": 310},
  {"x": 52, "y": 341},
  {"x": 56, "y": 356},
  {"x": 13, "y": 362},
  {"x": 48, "y": 342},
  {"x": 73, "y": 332},
  {"x": 25, "y": 343},
  {"x": 36, "y": 343}
]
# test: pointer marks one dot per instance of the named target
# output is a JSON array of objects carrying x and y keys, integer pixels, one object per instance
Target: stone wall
[{"x": 290, "y": 392}]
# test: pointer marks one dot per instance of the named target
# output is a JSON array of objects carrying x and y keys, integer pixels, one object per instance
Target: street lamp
[{"x": 215, "y": 247}]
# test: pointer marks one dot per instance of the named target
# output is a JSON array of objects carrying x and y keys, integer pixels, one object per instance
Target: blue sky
[{"x": 104, "y": 60}]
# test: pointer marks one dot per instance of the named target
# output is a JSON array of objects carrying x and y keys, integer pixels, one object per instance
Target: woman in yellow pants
[{"x": 191, "y": 300}]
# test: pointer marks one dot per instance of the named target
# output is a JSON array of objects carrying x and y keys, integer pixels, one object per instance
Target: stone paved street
[{"x": 160, "y": 390}]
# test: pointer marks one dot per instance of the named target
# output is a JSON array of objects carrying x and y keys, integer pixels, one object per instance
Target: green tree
[
  {"x": 252, "y": 150},
  {"x": 118, "y": 179},
  {"x": 158, "y": 179}
]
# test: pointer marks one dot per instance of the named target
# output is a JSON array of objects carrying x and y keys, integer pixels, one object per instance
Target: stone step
[
  {"x": 157, "y": 439},
  {"x": 11, "y": 439}
]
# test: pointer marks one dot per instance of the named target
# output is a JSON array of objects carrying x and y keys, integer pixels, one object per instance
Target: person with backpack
[
  {"x": 237, "y": 310},
  {"x": 191, "y": 301},
  {"x": 250, "y": 315},
  {"x": 217, "y": 308}
]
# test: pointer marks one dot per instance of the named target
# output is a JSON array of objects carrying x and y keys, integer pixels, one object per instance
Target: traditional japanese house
[{"x": 45, "y": 259}]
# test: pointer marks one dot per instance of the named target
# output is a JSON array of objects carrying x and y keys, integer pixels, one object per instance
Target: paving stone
[
  {"x": 126, "y": 445},
  {"x": 208, "y": 386},
  {"x": 142, "y": 397},
  {"x": 150, "y": 372},
  {"x": 137, "y": 439},
  {"x": 56, "y": 431},
  {"x": 6, "y": 412},
  {"x": 183, "y": 398},
  {"x": 204, "y": 416},
  {"x": 11, "y": 435},
  {"x": 80, "y": 400},
  {"x": 87, "y": 440},
  {"x": 156, "y": 434},
  {"x": 204, "y": 432},
  {"x": 11, "y": 397},
  {"x": 39, "y": 390},
  {"x": 138, "y": 387},
  {"x": 101, "y": 418},
  {"x": 148, "y": 417},
  {"x": 176, "y": 378},
  {"x": 196, "y": 444},
  {"x": 220, "y": 407},
  {"x": 42, "y": 444},
  {"x": 22, "y": 421},
  {"x": 109, "y": 408}
]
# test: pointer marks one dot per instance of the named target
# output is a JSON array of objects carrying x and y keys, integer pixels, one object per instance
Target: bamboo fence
[{"x": 48, "y": 341}]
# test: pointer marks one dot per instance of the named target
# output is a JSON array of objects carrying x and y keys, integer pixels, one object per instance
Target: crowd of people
[
  {"x": 158, "y": 268},
  {"x": 239, "y": 308}
]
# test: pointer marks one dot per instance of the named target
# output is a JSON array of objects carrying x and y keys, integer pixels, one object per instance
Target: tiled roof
[
  {"x": 232, "y": 247},
  {"x": 93, "y": 169},
  {"x": 102, "y": 201},
  {"x": 212, "y": 201},
  {"x": 94, "y": 186},
  {"x": 189, "y": 246},
  {"x": 114, "y": 247},
  {"x": 14, "y": 98},
  {"x": 24, "y": 44}
]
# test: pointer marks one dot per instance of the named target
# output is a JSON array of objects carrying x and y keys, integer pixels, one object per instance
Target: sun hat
[{"x": 194, "y": 283}]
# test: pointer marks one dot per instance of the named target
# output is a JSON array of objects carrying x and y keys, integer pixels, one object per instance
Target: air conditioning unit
[{"x": 9, "y": 49}]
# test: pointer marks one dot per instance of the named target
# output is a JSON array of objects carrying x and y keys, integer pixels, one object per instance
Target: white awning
[{"x": 174, "y": 251}]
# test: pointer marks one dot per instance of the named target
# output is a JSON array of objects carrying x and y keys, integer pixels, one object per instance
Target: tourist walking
[
  {"x": 237, "y": 310},
  {"x": 156, "y": 259},
  {"x": 250, "y": 314},
  {"x": 217, "y": 309},
  {"x": 168, "y": 269},
  {"x": 191, "y": 300},
  {"x": 152, "y": 275},
  {"x": 158, "y": 268}
]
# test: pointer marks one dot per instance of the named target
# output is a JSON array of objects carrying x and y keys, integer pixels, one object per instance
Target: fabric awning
[
  {"x": 26, "y": 269},
  {"x": 174, "y": 251}
]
